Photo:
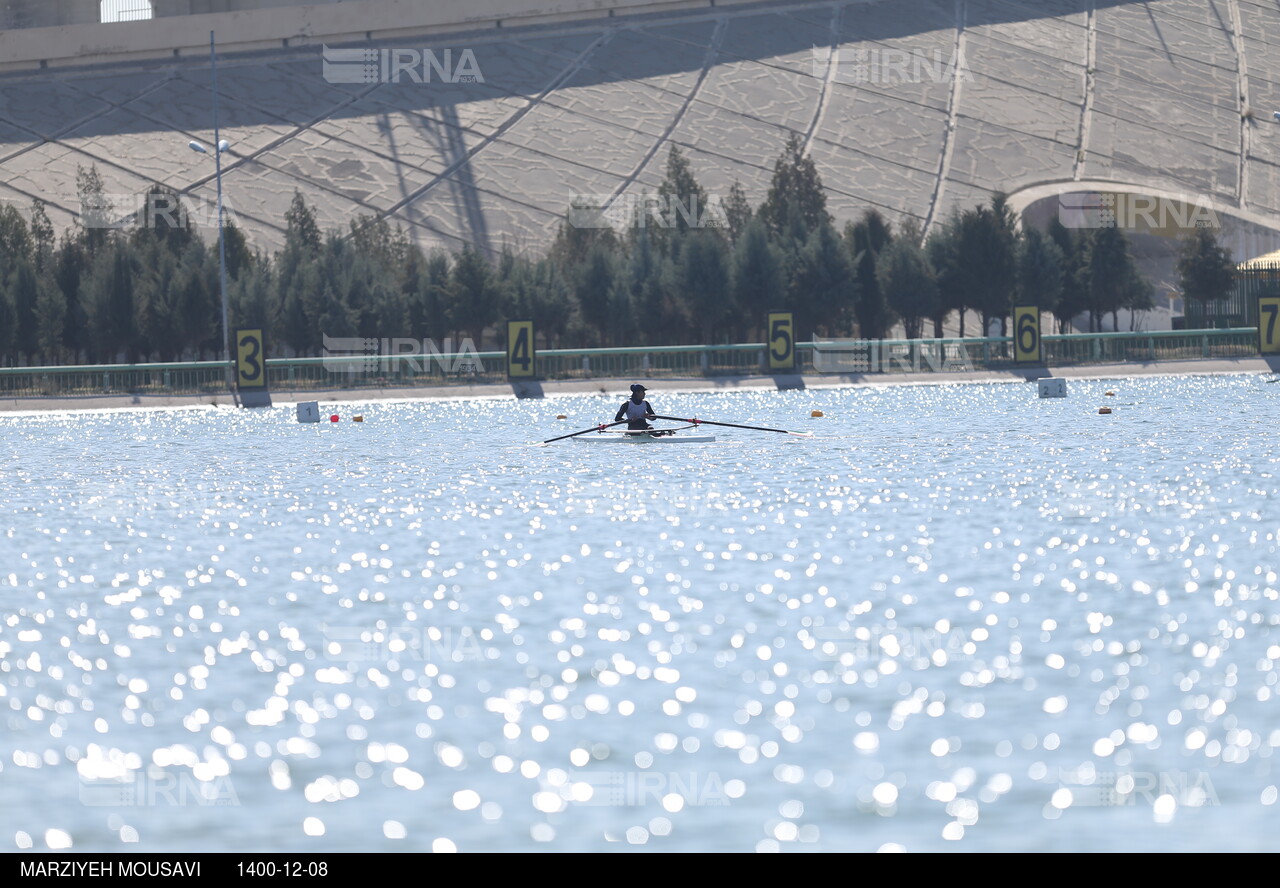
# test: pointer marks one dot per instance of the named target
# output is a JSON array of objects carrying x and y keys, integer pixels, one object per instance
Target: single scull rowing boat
[
  {"x": 607, "y": 434},
  {"x": 656, "y": 436}
]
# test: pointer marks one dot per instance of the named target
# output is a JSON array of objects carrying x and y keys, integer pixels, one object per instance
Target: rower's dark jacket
[{"x": 629, "y": 410}]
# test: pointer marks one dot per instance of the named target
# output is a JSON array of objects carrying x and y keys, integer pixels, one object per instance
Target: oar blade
[{"x": 594, "y": 428}]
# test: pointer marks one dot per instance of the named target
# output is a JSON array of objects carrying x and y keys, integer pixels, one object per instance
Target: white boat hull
[{"x": 643, "y": 438}]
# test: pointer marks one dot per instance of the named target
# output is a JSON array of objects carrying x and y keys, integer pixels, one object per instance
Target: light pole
[{"x": 222, "y": 146}]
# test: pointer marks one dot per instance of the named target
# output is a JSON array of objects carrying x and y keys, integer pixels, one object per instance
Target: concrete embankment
[{"x": 619, "y": 387}]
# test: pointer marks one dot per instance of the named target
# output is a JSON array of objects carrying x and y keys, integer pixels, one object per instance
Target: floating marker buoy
[
  {"x": 333, "y": 418},
  {"x": 1104, "y": 409},
  {"x": 1111, "y": 394},
  {"x": 561, "y": 416},
  {"x": 357, "y": 419},
  {"x": 1053, "y": 387},
  {"x": 816, "y": 413}
]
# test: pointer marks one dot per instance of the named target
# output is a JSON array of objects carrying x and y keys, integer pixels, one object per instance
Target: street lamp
[
  {"x": 196, "y": 146},
  {"x": 222, "y": 249},
  {"x": 223, "y": 145}
]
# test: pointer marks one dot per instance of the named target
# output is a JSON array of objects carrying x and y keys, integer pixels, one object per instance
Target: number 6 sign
[{"x": 1026, "y": 335}]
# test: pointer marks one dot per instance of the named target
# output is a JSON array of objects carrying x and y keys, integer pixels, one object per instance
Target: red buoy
[{"x": 333, "y": 418}]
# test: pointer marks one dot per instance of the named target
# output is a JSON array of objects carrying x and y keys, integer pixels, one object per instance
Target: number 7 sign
[{"x": 1268, "y": 329}]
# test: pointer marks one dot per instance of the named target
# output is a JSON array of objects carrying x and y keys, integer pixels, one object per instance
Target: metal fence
[
  {"x": 189, "y": 378},
  {"x": 947, "y": 355},
  {"x": 1160, "y": 345},
  {"x": 1239, "y": 308},
  {"x": 746, "y": 359}
]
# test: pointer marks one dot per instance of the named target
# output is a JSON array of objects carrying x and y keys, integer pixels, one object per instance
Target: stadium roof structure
[
  {"x": 911, "y": 107},
  {"x": 1266, "y": 260}
]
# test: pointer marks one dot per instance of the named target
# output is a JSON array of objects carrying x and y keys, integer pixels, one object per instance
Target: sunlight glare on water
[{"x": 959, "y": 617}]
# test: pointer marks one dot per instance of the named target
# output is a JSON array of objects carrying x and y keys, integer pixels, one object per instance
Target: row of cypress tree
[{"x": 683, "y": 267}]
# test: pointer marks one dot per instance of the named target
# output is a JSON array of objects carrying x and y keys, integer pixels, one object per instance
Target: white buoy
[
  {"x": 308, "y": 411},
  {"x": 1053, "y": 387}
]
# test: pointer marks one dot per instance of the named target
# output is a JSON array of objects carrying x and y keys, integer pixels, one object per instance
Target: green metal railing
[
  {"x": 944, "y": 355},
  {"x": 189, "y": 378},
  {"x": 745, "y": 359},
  {"x": 1159, "y": 345}
]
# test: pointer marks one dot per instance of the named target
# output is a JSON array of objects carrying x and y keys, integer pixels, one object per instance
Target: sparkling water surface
[{"x": 959, "y": 618}]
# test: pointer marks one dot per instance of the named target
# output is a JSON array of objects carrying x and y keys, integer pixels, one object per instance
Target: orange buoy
[
  {"x": 561, "y": 416},
  {"x": 357, "y": 419},
  {"x": 816, "y": 413},
  {"x": 1104, "y": 409}
]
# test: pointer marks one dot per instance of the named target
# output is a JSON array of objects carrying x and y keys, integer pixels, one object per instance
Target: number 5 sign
[
  {"x": 782, "y": 341},
  {"x": 1268, "y": 329},
  {"x": 1026, "y": 335}
]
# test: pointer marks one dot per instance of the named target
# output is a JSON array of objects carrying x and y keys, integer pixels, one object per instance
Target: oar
[
  {"x": 585, "y": 431},
  {"x": 735, "y": 426}
]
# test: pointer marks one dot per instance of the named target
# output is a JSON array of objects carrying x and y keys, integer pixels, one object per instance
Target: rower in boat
[{"x": 637, "y": 412}]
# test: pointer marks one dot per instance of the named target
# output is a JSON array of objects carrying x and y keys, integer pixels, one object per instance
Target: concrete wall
[
  {"x": 52, "y": 13},
  {"x": 201, "y": 7},
  {"x": 47, "y": 13},
  {"x": 174, "y": 33}
]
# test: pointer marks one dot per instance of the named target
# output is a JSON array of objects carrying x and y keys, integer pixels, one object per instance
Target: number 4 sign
[{"x": 520, "y": 350}]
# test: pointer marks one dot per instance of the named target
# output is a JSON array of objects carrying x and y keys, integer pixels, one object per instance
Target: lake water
[{"x": 959, "y": 618}]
